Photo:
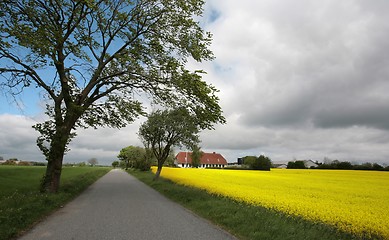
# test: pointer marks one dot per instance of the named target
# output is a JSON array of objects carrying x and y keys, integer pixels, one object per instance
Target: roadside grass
[
  {"x": 21, "y": 203},
  {"x": 240, "y": 219}
]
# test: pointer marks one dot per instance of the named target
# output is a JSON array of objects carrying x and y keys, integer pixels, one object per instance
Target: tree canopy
[{"x": 94, "y": 61}]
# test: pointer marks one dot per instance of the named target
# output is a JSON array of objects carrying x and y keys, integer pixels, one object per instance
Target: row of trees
[
  {"x": 135, "y": 157},
  {"x": 139, "y": 158},
  {"x": 14, "y": 161},
  {"x": 91, "y": 162},
  {"x": 93, "y": 62},
  {"x": 296, "y": 165},
  {"x": 335, "y": 164},
  {"x": 349, "y": 166}
]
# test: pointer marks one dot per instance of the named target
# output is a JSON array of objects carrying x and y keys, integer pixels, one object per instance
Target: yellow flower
[{"x": 353, "y": 201}]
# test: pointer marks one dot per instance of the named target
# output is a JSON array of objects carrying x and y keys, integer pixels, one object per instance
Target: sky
[{"x": 298, "y": 80}]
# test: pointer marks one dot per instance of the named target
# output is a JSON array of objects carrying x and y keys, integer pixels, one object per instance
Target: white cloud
[
  {"x": 103, "y": 144},
  {"x": 18, "y": 140},
  {"x": 301, "y": 79},
  {"x": 297, "y": 79}
]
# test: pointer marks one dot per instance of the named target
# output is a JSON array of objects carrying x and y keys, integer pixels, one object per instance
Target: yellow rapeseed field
[{"x": 353, "y": 201}]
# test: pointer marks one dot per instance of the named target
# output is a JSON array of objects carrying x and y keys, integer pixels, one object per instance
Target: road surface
[{"x": 118, "y": 206}]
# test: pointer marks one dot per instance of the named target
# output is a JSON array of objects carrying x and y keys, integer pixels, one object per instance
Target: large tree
[
  {"x": 93, "y": 59},
  {"x": 166, "y": 129}
]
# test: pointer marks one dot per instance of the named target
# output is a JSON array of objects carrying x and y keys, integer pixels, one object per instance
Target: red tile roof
[{"x": 207, "y": 158}]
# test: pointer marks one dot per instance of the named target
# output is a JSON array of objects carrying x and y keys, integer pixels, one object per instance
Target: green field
[{"x": 21, "y": 203}]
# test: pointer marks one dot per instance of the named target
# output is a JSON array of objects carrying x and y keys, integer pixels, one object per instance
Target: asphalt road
[{"x": 118, "y": 206}]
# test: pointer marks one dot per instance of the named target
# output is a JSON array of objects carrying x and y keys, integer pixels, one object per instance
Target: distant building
[
  {"x": 307, "y": 164},
  {"x": 208, "y": 160},
  {"x": 282, "y": 165},
  {"x": 310, "y": 164}
]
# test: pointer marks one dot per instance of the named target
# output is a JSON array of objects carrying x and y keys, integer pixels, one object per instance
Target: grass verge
[
  {"x": 242, "y": 220},
  {"x": 21, "y": 203}
]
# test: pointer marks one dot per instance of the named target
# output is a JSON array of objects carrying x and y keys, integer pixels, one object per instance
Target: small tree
[
  {"x": 93, "y": 161},
  {"x": 290, "y": 165},
  {"x": 196, "y": 156},
  {"x": 249, "y": 161},
  {"x": 165, "y": 129},
  {"x": 115, "y": 164}
]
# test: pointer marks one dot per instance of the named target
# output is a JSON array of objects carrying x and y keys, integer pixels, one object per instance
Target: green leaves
[
  {"x": 168, "y": 128},
  {"x": 196, "y": 156},
  {"x": 135, "y": 157},
  {"x": 114, "y": 112},
  {"x": 93, "y": 58},
  {"x": 101, "y": 52}
]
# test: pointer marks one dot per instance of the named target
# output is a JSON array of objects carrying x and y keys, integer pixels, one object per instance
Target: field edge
[{"x": 240, "y": 219}]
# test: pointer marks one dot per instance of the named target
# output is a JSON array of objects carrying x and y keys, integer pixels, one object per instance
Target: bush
[
  {"x": 263, "y": 163},
  {"x": 249, "y": 161},
  {"x": 345, "y": 165},
  {"x": 142, "y": 164},
  {"x": 10, "y": 162},
  {"x": 135, "y": 157},
  {"x": 39, "y": 164},
  {"x": 258, "y": 163},
  {"x": 376, "y": 166},
  {"x": 296, "y": 165},
  {"x": 23, "y": 163}
]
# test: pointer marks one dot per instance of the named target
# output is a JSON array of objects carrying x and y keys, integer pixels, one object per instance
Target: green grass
[
  {"x": 21, "y": 203},
  {"x": 242, "y": 220}
]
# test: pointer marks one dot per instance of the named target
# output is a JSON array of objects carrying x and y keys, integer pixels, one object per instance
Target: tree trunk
[
  {"x": 51, "y": 180},
  {"x": 158, "y": 172}
]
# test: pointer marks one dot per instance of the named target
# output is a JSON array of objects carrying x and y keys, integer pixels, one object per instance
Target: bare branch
[{"x": 27, "y": 70}]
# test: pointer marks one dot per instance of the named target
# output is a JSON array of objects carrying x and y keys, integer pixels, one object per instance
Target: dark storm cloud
[
  {"x": 375, "y": 116},
  {"x": 305, "y": 78},
  {"x": 325, "y": 67}
]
